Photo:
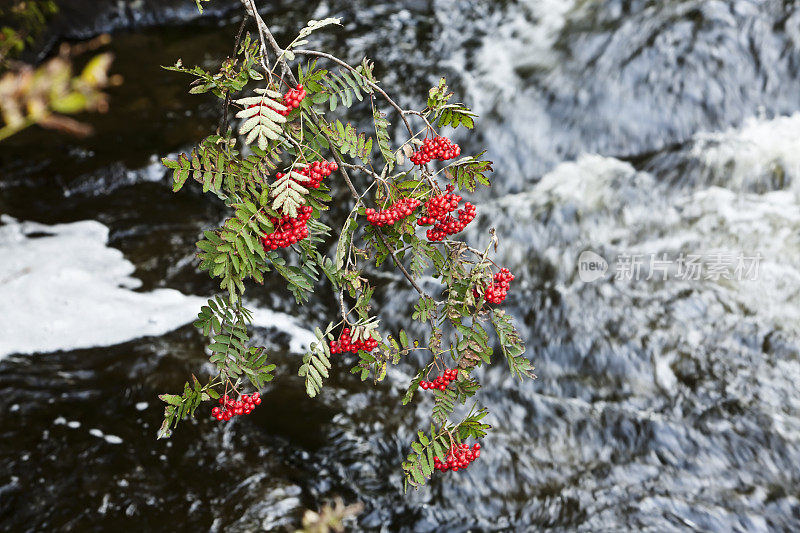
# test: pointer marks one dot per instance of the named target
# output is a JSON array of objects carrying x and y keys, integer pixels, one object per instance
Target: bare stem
[
  {"x": 371, "y": 84},
  {"x": 250, "y": 8},
  {"x": 224, "y": 126},
  {"x": 354, "y": 192}
]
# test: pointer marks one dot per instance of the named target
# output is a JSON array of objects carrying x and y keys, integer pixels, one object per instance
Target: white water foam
[
  {"x": 742, "y": 158},
  {"x": 606, "y": 205},
  {"x": 63, "y": 288}
]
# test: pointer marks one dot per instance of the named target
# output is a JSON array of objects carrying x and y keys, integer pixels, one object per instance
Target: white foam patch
[
  {"x": 525, "y": 39},
  {"x": 607, "y": 206},
  {"x": 66, "y": 289},
  {"x": 766, "y": 224},
  {"x": 588, "y": 183},
  {"x": 522, "y": 36},
  {"x": 519, "y": 37},
  {"x": 759, "y": 148},
  {"x": 111, "y": 439}
]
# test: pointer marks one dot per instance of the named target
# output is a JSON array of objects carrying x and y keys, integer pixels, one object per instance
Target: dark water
[{"x": 617, "y": 126}]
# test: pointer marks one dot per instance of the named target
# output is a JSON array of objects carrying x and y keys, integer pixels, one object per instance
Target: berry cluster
[
  {"x": 440, "y": 148},
  {"x": 442, "y": 381},
  {"x": 288, "y": 230},
  {"x": 439, "y": 208},
  {"x": 231, "y": 407},
  {"x": 459, "y": 456},
  {"x": 316, "y": 172},
  {"x": 451, "y": 225},
  {"x": 496, "y": 291},
  {"x": 346, "y": 344},
  {"x": 292, "y": 99},
  {"x": 398, "y": 211}
]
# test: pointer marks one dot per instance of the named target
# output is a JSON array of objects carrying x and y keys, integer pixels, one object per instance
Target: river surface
[{"x": 641, "y": 131}]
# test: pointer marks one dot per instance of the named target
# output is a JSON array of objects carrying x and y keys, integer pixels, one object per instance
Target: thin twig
[
  {"x": 343, "y": 307},
  {"x": 364, "y": 169},
  {"x": 250, "y": 8},
  {"x": 224, "y": 127},
  {"x": 266, "y": 37},
  {"x": 354, "y": 192},
  {"x": 375, "y": 86},
  {"x": 376, "y": 176},
  {"x": 422, "y": 116}
]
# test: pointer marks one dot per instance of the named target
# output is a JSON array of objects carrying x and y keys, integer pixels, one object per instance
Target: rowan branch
[
  {"x": 265, "y": 34},
  {"x": 375, "y": 86},
  {"x": 354, "y": 192}
]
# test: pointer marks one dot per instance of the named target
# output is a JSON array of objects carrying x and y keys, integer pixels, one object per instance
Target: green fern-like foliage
[
  {"x": 473, "y": 347},
  {"x": 179, "y": 406},
  {"x": 218, "y": 168},
  {"x": 348, "y": 140},
  {"x": 226, "y": 326},
  {"x": 200, "y": 4},
  {"x": 382, "y": 133},
  {"x": 512, "y": 345},
  {"x": 343, "y": 87},
  {"x": 262, "y": 120},
  {"x": 260, "y": 177},
  {"x": 469, "y": 172},
  {"x": 235, "y": 252},
  {"x": 317, "y": 362},
  {"x": 418, "y": 466},
  {"x": 288, "y": 194},
  {"x": 448, "y": 114},
  {"x": 232, "y": 76},
  {"x": 444, "y": 403}
]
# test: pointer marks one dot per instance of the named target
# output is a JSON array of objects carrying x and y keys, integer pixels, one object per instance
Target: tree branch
[
  {"x": 224, "y": 126},
  {"x": 250, "y": 9},
  {"x": 375, "y": 86},
  {"x": 265, "y": 34},
  {"x": 266, "y": 37},
  {"x": 354, "y": 192}
]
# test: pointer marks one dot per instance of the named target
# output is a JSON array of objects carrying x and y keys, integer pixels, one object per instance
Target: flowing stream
[{"x": 621, "y": 127}]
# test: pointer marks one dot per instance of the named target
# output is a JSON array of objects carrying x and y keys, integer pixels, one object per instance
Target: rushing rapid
[{"x": 635, "y": 130}]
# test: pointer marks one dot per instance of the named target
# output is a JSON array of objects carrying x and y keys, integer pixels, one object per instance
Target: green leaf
[{"x": 171, "y": 399}]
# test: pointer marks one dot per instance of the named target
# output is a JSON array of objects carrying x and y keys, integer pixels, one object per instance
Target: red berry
[
  {"x": 438, "y": 148},
  {"x": 397, "y": 211},
  {"x": 459, "y": 457},
  {"x": 497, "y": 290}
]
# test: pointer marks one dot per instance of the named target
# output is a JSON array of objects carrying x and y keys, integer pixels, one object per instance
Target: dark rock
[{"x": 84, "y": 19}]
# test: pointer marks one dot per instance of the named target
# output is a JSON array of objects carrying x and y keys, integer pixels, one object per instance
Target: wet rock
[{"x": 84, "y": 19}]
